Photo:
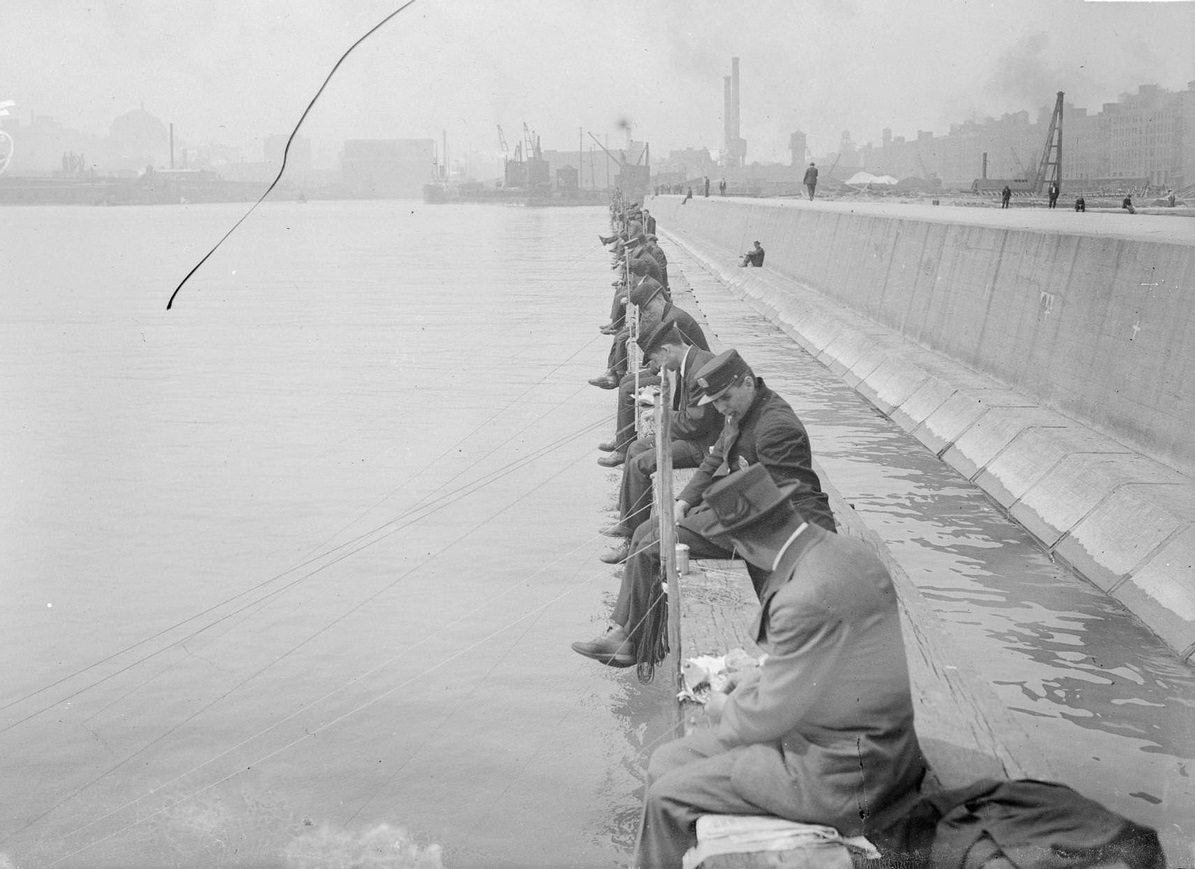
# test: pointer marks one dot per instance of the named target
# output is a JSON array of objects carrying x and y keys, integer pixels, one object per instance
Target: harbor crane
[
  {"x": 633, "y": 178},
  {"x": 1049, "y": 167}
]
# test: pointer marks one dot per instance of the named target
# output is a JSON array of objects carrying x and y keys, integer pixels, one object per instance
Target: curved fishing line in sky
[
  {"x": 482, "y": 606},
  {"x": 286, "y": 150}
]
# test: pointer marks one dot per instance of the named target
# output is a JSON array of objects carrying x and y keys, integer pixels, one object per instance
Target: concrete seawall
[{"x": 1051, "y": 366}]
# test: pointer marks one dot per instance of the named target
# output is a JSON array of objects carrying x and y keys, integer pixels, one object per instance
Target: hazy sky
[{"x": 233, "y": 71}]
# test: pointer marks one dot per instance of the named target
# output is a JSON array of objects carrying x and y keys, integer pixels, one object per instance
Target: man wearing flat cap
[
  {"x": 822, "y": 732},
  {"x": 694, "y": 428},
  {"x": 760, "y": 429},
  {"x": 654, "y": 308}
]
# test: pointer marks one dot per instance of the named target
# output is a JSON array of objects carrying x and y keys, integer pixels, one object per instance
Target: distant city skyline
[
  {"x": 149, "y": 132},
  {"x": 235, "y": 73}
]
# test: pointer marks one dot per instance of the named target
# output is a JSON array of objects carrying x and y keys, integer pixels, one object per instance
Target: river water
[{"x": 293, "y": 568}]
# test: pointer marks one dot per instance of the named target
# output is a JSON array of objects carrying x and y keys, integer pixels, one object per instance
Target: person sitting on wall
[
  {"x": 694, "y": 428},
  {"x": 1127, "y": 205},
  {"x": 760, "y": 428},
  {"x": 753, "y": 257},
  {"x": 654, "y": 307},
  {"x": 822, "y": 732}
]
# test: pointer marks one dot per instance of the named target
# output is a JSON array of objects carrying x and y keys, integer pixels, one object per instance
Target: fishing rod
[{"x": 286, "y": 150}]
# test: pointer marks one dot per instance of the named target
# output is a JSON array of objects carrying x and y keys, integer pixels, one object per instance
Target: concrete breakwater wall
[
  {"x": 1097, "y": 325},
  {"x": 1055, "y": 370}
]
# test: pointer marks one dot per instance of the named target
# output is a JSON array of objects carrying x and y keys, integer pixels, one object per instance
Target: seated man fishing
[
  {"x": 760, "y": 429},
  {"x": 694, "y": 428},
  {"x": 823, "y": 732},
  {"x": 654, "y": 307}
]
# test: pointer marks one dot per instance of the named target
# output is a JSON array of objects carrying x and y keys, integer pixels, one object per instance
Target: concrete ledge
[
  {"x": 1121, "y": 533},
  {"x": 1033, "y": 454},
  {"x": 1119, "y": 518},
  {"x": 991, "y": 434},
  {"x": 1074, "y": 487}
]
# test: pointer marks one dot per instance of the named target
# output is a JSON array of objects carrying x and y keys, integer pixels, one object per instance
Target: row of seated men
[{"x": 823, "y": 733}]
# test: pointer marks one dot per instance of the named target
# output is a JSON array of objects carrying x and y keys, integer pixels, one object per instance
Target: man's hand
[
  {"x": 679, "y": 509},
  {"x": 713, "y": 706}
]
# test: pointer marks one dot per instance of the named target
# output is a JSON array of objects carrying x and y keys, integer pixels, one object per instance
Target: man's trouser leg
[
  {"x": 624, "y": 413},
  {"x": 642, "y": 570},
  {"x": 686, "y": 778},
  {"x": 618, "y": 354},
  {"x": 617, "y": 309},
  {"x": 612, "y": 356},
  {"x": 634, "y": 498},
  {"x": 634, "y": 495}
]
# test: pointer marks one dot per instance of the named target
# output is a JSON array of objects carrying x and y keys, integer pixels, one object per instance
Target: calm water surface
[{"x": 299, "y": 561}]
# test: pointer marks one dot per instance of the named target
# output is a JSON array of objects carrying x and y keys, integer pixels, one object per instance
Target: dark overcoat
[{"x": 769, "y": 433}]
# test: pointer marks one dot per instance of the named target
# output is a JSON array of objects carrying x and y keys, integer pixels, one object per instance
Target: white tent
[{"x": 866, "y": 179}]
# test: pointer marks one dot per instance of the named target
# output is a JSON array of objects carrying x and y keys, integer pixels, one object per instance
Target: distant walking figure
[
  {"x": 688, "y": 196},
  {"x": 1053, "y": 194},
  {"x": 753, "y": 257},
  {"x": 722, "y": 189},
  {"x": 1005, "y": 196},
  {"x": 1127, "y": 205},
  {"x": 707, "y": 187},
  {"x": 810, "y": 180},
  {"x": 1080, "y": 203}
]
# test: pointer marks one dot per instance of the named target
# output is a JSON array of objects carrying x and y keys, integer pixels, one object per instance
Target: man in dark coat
[
  {"x": 822, "y": 733},
  {"x": 810, "y": 180},
  {"x": 654, "y": 307},
  {"x": 753, "y": 257},
  {"x": 694, "y": 428},
  {"x": 760, "y": 429}
]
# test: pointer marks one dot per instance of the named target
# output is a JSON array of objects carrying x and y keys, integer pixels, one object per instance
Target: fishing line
[
  {"x": 446, "y": 717},
  {"x": 482, "y": 484},
  {"x": 481, "y": 606},
  {"x": 480, "y": 426},
  {"x": 286, "y": 150},
  {"x": 382, "y": 531},
  {"x": 307, "y": 735},
  {"x": 299, "y": 566},
  {"x": 313, "y": 636}
]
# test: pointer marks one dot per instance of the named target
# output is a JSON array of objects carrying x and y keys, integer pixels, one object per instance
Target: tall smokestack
[
  {"x": 734, "y": 149},
  {"x": 734, "y": 97},
  {"x": 727, "y": 113}
]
